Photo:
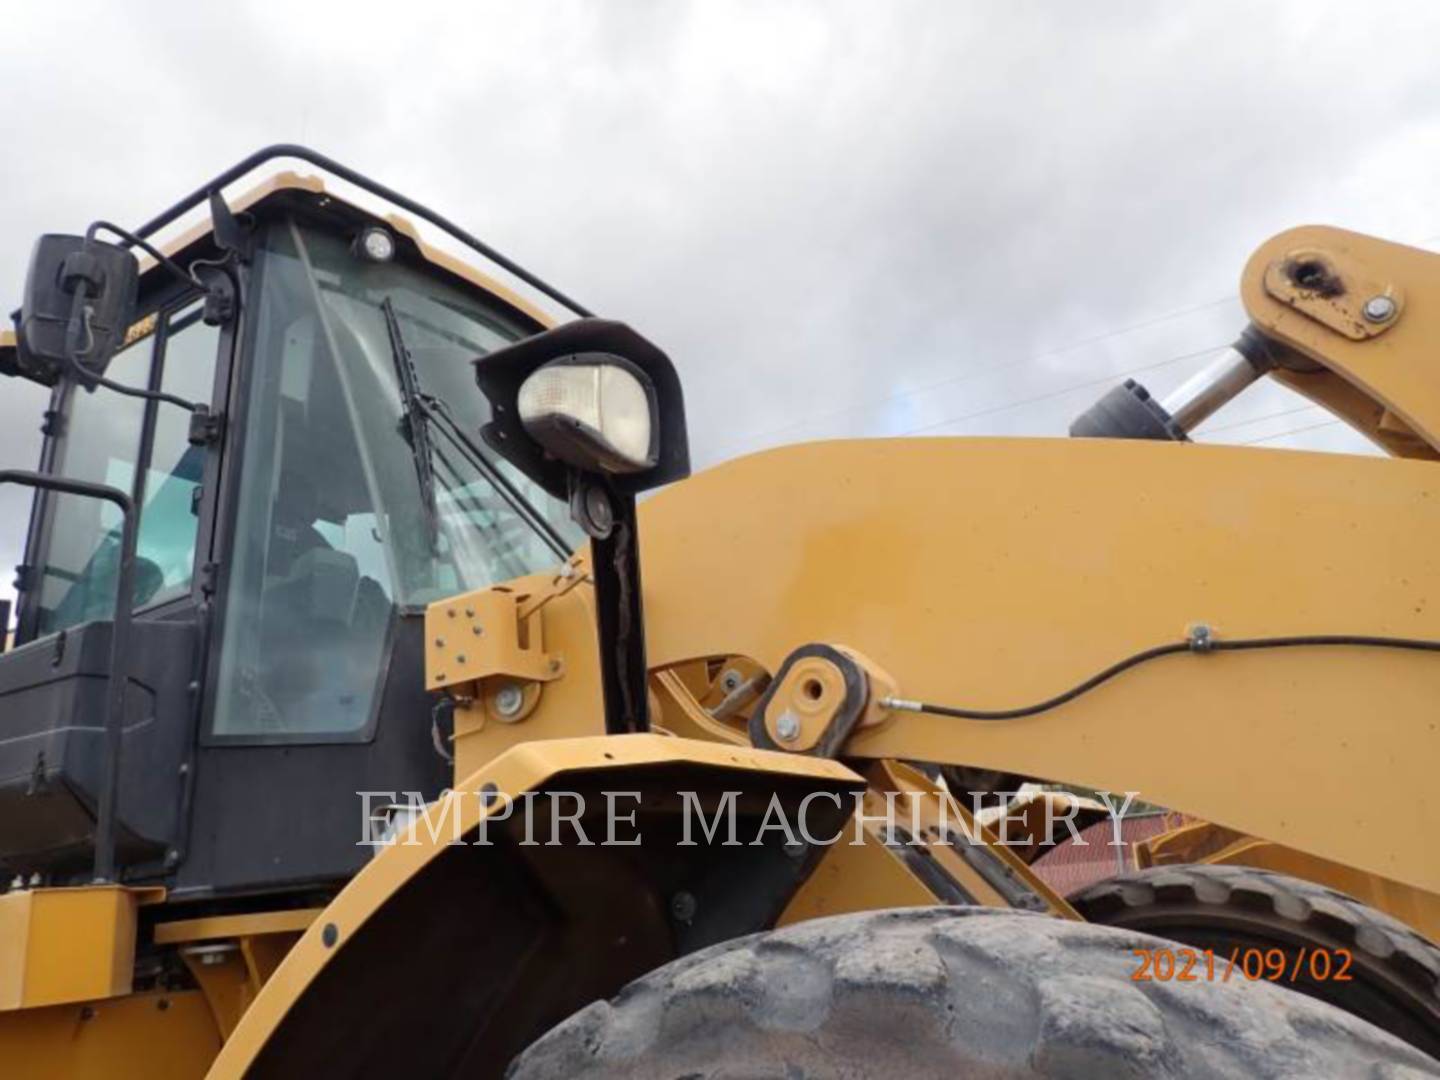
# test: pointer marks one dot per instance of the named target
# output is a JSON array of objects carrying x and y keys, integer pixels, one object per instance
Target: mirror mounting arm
[{"x": 608, "y": 517}]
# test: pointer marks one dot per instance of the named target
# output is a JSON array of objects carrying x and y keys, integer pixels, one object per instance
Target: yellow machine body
[{"x": 982, "y": 572}]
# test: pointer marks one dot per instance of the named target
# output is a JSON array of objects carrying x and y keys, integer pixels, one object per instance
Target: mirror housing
[
  {"x": 554, "y": 442},
  {"x": 103, "y": 278}
]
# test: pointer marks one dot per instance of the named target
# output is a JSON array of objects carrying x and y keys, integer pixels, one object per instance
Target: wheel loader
[{"x": 387, "y": 699}]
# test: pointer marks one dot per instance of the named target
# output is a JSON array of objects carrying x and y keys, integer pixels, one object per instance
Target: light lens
[
  {"x": 377, "y": 245},
  {"x": 609, "y": 403}
]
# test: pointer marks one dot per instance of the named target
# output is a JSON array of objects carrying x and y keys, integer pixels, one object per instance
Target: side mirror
[
  {"x": 80, "y": 298},
  {"x": 590, "y": 398}
]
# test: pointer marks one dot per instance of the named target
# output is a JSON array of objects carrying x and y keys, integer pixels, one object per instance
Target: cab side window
[{"x": 103, "y": 442}]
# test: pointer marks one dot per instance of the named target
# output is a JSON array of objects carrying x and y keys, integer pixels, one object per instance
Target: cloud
[{"x": 840, "y": 218}]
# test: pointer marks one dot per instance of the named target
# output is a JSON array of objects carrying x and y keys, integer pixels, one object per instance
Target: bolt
[
  {"x": 439, "y": 642},
  {"x": 682, "y": 907},
  {"x": 469, "y": 612},
  {"x": 730, "y": 681},
  {"x": 1379, "y": 309},
  {"x": 554, "y": 666},
  {"x": 788, "y": 728},
  {"x": 508, "y": 699},
  {"x": 1201, "y": 639},
  {"x": 450, "y": 612},
  {"x": 477, "y": 630},
  {"x": 460, "y": 659}
]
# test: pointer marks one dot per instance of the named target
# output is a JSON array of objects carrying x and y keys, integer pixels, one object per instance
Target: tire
[
  {"x": 953, "y": 993},
  {"x": 1395, "y": 972}
]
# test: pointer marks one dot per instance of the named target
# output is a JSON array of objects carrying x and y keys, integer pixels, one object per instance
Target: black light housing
[
  {"x": 552, "y": 452},
  {"x": 583, "y": 467}
]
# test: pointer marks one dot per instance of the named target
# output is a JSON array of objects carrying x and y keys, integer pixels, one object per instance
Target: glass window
[
  {"x": 168, "y": 521},
  {"x": 331, "y": 534},
  {"x": 102, "y": 443}
]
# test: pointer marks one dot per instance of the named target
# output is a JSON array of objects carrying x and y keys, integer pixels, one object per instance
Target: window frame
[
  {"x": 240, "y": 372},
  {"x": 57, "y": 433}
]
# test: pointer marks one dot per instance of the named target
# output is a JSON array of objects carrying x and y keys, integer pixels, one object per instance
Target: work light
[{"x": 594, "y": 411}]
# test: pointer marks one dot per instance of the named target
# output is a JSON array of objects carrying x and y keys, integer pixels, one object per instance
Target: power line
[
  {"x": 1292, "y": 431},
  {"x": 1002, "y": 366},
  {"x": 1059, "y": 393},
  {"x": 1258, "y": 419},
  {"x": 963, "y": 376}
]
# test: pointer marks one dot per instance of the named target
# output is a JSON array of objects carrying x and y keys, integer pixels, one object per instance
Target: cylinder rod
[{"x": 1203, "y": 394}]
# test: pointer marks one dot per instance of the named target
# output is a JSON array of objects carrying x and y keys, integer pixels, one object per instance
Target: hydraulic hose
[{"x": 1199, "y": 641}]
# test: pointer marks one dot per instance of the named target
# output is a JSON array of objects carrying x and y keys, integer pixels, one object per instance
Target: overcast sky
[{"x": 839, "y": 218}]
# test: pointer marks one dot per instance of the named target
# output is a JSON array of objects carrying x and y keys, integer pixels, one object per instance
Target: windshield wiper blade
[{"x": 415, "y": 423}]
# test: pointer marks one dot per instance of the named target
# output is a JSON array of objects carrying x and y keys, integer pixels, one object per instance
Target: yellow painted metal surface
[
  {"x": 566, "y": 707},
  {"x": 869, "y": 876},
  {"x": 493, "y": 633},
  {"x": 946, "y": 826},
  {"x": 1393, "y": 364},
  {"x": 852, "y": 878},
  {"x": 993, "y": 573},
  {"x": 151, "y": 1036},
  {"x": 524, "y": 768},
  {"x": 1333, "y": 287},
  {"x": 66, "y": 945},
  {"x": 235, "y": 926}
]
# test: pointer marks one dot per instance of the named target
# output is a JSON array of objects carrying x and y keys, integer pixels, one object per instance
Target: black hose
[{"x": 1197, "y": 644}]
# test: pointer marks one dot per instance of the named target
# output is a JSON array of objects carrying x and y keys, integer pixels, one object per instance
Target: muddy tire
[
  {"x": 1394, "y": 973},
  {"x": 952, "y": 993}
]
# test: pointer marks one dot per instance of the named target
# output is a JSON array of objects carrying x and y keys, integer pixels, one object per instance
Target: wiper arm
[
  {"x": 415, "y": 423},
  {"x": 423, "y": 409},
  {"x": 438, "y": 410}
]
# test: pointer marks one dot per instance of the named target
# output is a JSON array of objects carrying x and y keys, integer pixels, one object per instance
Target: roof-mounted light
[{"x": 375, "y": 244}]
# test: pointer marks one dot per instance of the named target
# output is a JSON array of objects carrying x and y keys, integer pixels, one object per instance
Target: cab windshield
[{"x": 354, "y": 504}]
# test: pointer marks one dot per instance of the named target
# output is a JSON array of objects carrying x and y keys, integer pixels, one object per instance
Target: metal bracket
[
  {"x": 1337, "y": 291},
  {"x": 486, "y": 634},
  {"x": 205, "y": 427},
  {"x": 819, "y": 696}
]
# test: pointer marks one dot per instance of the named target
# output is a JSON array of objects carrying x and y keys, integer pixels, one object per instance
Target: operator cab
[{"x": 290, "y": 533}]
